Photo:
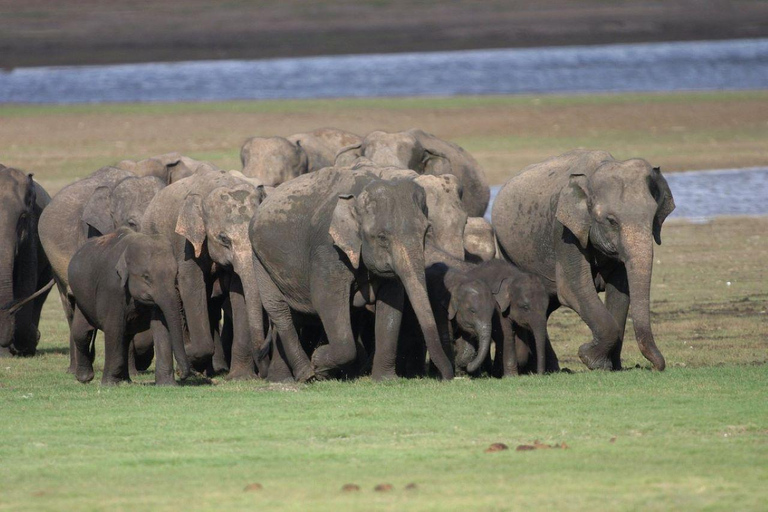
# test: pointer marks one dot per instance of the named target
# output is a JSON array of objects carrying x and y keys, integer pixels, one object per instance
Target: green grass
[
  {"x": 692, "y": 437},
  {"x": 406, "y": 104}
]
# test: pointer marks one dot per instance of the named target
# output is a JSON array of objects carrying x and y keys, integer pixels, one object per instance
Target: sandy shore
[{"x": 75, "y": 32}]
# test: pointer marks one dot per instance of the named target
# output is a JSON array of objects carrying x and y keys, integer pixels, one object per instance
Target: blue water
[
  {"x": 703, "y": 194},
  {"x": 706, "y": 65}
]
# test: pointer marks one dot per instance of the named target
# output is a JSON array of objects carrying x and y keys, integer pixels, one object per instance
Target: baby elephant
[
  {"x": 125, "y": 283},
  {"x": 523, "y": 301}
]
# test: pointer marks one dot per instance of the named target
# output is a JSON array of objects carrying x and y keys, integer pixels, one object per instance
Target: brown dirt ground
[
  {"x": 48, "y": 32},
  {"x": 679, "y": 133}
]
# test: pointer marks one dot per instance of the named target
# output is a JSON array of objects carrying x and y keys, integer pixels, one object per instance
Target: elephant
[
  {"x": 125, "y": 283},
  {"x": 112, "y": 207},
  {"x": 275, "y": 160},
  {"x": 523, "y": 304},
  {"x": 590, "y": 222},
  {"x": 24, "y": 268},
  {"x": 205, "y": 217},
  {"x": 479, "y": 240},
  {"x": 338, "y": 238},
  {"x": 426, "y": 154},
  {"x": 169, "y": 167}
]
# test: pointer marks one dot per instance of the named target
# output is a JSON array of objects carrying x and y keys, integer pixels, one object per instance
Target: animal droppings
[
  {"x": 612, "y": 440},
  {"x": 253, "y": 487},
  {"x": 411, "y": 486},
  {"x": 537, "y": 445},
  {"x": 383, "y": 488},
  {"x": 496, "y": 447},
  {"x": 350, "y": 488}
]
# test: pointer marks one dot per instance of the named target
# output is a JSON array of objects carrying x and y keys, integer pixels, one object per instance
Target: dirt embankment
[{"x": 63, "y": 32}]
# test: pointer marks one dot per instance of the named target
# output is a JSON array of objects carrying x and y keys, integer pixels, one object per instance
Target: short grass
[
  {"x": 678, "y": 131},
  {"x": 692, "y": 437}
]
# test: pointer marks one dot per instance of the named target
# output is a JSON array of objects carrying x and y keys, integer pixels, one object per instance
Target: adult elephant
[
  {"x": 334, "y": 238},
  {"x": 24, "y": 268},
  {"x": 426, "y": 154},
  {"x": 584, "y": 222},
  {"x": 206, "y": 219},
  {"x": 275, "y": 160},
  {"x": 169, "y": 167}
]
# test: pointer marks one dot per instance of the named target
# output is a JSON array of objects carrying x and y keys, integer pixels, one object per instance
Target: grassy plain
[
  {"x": 693, "y": 437},
  {"x": 678, "y": 131}
]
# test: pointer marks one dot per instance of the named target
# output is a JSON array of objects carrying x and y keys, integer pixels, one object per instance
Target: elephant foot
[
  {"x": 5, "y": 352},
  {"x": 112, "y": 381},
  {"x": 279, "y": 379},
  {"x": 241, "y": 373},
  {"x": 166, "y": 381},
  {"x": 84, "y": 376},
  {"x": 591, "y": 356}
]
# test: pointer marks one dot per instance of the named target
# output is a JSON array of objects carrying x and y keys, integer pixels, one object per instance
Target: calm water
[
  {"x": 702, "y": 194},
  {"x": 707, "y": 65}
]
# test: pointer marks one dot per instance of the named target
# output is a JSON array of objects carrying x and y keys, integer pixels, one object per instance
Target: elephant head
[
  {"x": 17, "y": 230},
  {"x": 170, "y": 167},
  {"x": 618, "y": 211},
  {"x": 147, "y": 270},
  {"x": 273, "y": 160},
  {"x": 523, "y": 299},
  {"x": 447, "y": 217},
  {"x": 220, "y": 219},
  {"x": 384, "y": 227},
  {"x": 471, "y": 306},
  {"x": 398, "y": 149},
  {"x": 110, "y": 208}
]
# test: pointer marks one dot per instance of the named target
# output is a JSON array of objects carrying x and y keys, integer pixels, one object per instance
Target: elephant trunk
[
  {"x": 483, "y": 346},
  {"x": 540, "y": 338},
  {"x": 639, "y": 269},
  {"x": 171, "y": 309},
  {"x": 409, "y": 266},
  {"x": 247, "y": 272},
  {"x": 7, "y": 319}
]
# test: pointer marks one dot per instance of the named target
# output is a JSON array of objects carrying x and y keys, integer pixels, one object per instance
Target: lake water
[
  {"x": 706, "y": 65},
  {"x": 703, "y": 194}
]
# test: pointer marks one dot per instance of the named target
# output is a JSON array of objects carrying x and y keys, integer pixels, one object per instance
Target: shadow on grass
[{"x": 53, "y": 350}]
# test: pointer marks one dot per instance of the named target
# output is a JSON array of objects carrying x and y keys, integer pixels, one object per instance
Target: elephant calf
[{"x": 125, "y": 283}]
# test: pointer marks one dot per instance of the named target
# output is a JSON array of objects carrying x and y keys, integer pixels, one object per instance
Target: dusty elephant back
[
  {"x": 523, "y": 215},
  {"x": 60, "y": 228}
]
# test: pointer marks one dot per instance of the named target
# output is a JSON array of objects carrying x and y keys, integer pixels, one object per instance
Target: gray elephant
[
  {"x": 169, "y": 167},
  {"x": 334, "y": 239},
  {"x": 121, "y": 205},
  {"x": 206, "y": 219},
  {"x": 426, "y": 154},
  {"x": 275, "y": 160},
  {"x": 584, "y": 222},
  {"x": 479, "y": 240},
  {"x": 125, "y": 283},
  {"x": 522, "y": 306},
  {"x": 24, "y": 268}
]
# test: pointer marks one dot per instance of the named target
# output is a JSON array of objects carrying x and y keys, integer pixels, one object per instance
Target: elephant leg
[
  {"x": 144, "y": 349},
  {"x": 281, "y": 317},
  {"x": 80, "y": 334},
  {"x": 115, "y": 352},
  {"x": 617, "y": 302},
  {"x": 389, "y": 316},
  {"x": 194, "y": 293},
  {"x": 576, "y": 289},
  {"x": 164, "y": 361},
  {"x": 509, "y": 361},
  {"x": 279, "y": 371},
  {"x": 242, "y": 366},
  {"x": 331, "y": 300},
  {"x": 222, "y": 339}
]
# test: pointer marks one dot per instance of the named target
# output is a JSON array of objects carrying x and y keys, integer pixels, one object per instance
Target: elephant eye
[
  {"x": 146, "y": 277},
  {"x": 224, "y": 239},
  {"x": 382, "y": 238},
  {"x": 525, "y": 306},
  {"x": 612, "y": 220}
]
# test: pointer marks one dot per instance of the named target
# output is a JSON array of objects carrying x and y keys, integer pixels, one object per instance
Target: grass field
[
  {"x": 680, "y": 131},
  {"x": 692, "y": 437}
]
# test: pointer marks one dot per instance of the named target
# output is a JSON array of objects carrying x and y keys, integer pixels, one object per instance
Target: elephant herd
[{"x": 331, "y": 255}]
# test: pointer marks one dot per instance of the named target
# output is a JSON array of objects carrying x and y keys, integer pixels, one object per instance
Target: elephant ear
[
  {"x": 122, "y": 269},
  {"x": 435, "y": 163},
  {"x": 345, "y": 229},
  {"x": 503, "y": 295},
  {"x": 452, "y": 308},
  {"x": 97, "y": 212},
  {"x": 663, "y": 196},
  {"x": 347, "y": 155},
  {"x": 30, "y": 198},
  {"x": 190, "y": 222},
  {"x": 573, "y": 207}
]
